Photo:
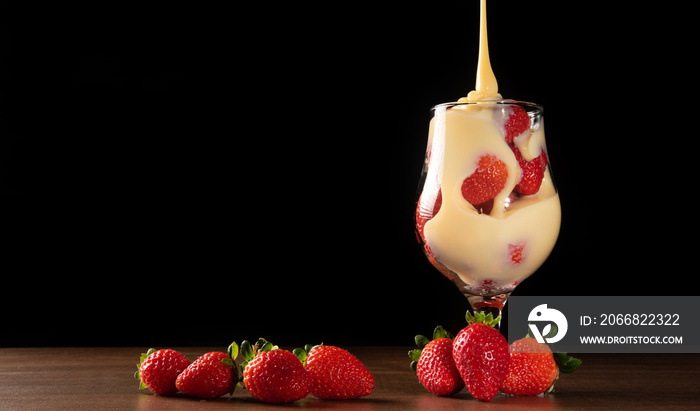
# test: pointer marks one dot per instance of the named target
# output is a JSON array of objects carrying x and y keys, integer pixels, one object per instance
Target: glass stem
[{"x": 492, "y": 304}]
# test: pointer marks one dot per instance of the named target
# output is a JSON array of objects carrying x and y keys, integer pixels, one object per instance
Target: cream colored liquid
[{"x": 476, "y": 246}]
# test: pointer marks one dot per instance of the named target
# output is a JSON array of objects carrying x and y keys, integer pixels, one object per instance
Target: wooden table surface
[{"x": 102, "y": 379}]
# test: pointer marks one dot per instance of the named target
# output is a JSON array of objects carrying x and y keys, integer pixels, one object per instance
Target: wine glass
[{"x": 488, "y": 213}]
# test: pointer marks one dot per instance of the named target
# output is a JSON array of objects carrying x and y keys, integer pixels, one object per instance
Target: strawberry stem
[{"x": 480, "y": 317}]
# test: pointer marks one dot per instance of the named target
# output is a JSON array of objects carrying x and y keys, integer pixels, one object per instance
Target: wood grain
[{"x": 102, "y": 378}]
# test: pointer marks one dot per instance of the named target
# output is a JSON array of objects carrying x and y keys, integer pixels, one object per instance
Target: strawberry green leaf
[
  {"x": 301, "y": 355},
  {"x": 441, "y": 333},
  {"x": 566, "y": 363},
  {"x": 421, "y": 341},
  {"x": 137, "y": 375},
  {"x": 414, "y": 355},
  {"x": 480, "y": 317},
  {"x": 247, "y": 351},
  {"x": 232, "y": 350},
  {"x": 263, "y": 345}
]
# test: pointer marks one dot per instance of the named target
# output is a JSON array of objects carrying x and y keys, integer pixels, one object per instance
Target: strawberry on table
[
  {"x": 434, "y": 364},
  {"x": 481, "y": 355},
  {"x": 335, "y": 373},
  {"x": 211, "y": 375},
  {"x": 533, "y": 368},
  {"x": 158, "y": 370},
  {"x": 486, "y": 181},
  {"x": 273, "y": 375}
]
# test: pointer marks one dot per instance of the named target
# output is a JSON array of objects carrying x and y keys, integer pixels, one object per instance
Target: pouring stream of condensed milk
[{"x": 486, "y": 84}]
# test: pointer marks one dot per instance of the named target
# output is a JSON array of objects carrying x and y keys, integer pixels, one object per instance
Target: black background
[{"x": 195, "y": 174}]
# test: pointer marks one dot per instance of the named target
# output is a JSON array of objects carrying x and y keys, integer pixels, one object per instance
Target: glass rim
[{"x": 485, "y": 102}]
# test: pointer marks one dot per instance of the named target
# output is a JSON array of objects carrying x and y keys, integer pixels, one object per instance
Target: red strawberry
[
  {"x": 209, "y": 376},
  {"x": 435, "y": 366},
  {"x": 276, "y": 376},
  {"x": 486, "y": 182},
  {"x": 515, "y": 253},
  {"x": 158, "y": 370},
  {"x": 532, "y": 368},
  {"x": 337, "y": 375},
  {"x": 481, "y": 355},
  {"x": 517, "y": 123},
  {"x": 425, "y": 212},
  {"x": 532, "y": 172}
]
